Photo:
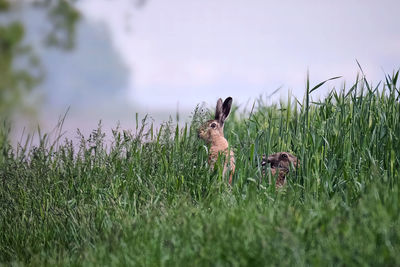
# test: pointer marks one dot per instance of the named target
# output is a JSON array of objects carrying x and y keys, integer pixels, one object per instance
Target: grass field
[{"x": 148, "y": 197}]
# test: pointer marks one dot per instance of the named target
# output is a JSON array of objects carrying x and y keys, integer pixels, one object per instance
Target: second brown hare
[
  {"x": 280, "y": 163},
  {"x": 212, "y": 132}
]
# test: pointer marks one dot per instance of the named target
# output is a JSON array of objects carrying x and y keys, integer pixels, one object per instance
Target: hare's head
[
  {"x": 280, "y": 163},
  {"x": 214, "y": 129},
  {"x": 282, "y": 160}
]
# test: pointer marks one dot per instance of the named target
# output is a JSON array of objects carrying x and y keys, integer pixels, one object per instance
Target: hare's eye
[
  {"x": 213, "y": 125},
  {"x": 284, "y": 156}
]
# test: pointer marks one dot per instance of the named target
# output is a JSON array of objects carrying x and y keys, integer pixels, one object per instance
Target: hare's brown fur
[
  {"x": 281, "y": 163},
  {"x": 212, "y": 132},
  {"x": 281, "y": 178}
]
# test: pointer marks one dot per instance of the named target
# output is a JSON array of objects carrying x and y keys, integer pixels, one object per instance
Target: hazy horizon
[{"x": 173, "y": 55}]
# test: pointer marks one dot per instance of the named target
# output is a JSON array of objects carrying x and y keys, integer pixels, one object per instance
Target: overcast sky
[{"x": 190, "y": 51}]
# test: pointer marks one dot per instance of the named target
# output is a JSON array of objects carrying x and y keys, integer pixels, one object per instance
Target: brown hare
[
  {"x": 212, "y": 132},
  {"x": 280, "y": 162}
]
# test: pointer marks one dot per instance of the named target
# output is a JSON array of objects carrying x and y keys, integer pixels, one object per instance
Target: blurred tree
[
  {"x": 13, "y": 82},
  {"x": 17, "y": 80},
  {"x": 63, "y": 17}
]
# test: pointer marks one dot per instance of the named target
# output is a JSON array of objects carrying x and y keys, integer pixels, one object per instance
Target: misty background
[{"x": 108, "y": 60}]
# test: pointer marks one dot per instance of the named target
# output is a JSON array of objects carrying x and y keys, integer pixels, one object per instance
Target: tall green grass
[{"x": 149, "y": 198}]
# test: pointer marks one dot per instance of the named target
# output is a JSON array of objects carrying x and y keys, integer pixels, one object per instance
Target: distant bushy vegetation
[{"x": 149, "y": 198}]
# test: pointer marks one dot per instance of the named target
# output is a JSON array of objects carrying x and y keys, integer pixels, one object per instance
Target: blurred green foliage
[
  {"x": 63, "y": 17},
  {"x": 16, "y": 82},
  {"x": 4, "y": 5}
]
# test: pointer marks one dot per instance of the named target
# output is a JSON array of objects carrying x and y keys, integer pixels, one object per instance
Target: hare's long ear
[
  {"x": 226, "y": 108},
  {"x": 218, "y": 110}
]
